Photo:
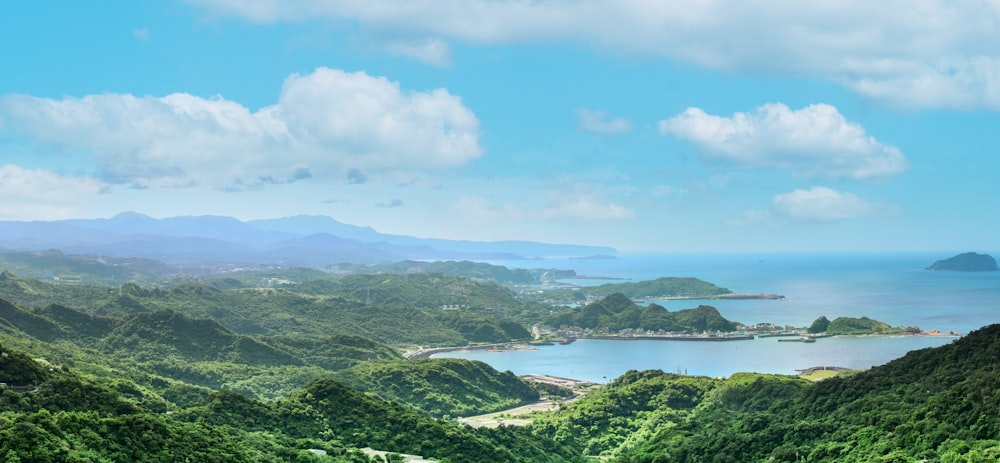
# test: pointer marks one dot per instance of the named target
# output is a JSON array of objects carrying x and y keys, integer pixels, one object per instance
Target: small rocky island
[{"x": 966, "y": 262}]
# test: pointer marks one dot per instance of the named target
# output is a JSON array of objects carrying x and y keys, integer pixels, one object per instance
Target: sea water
[{"x": 893, "y": 288}]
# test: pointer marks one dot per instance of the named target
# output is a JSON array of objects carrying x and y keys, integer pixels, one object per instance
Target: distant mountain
[
  {"x": 966, "y": 262},
  {"x": 308, "y": 241}
]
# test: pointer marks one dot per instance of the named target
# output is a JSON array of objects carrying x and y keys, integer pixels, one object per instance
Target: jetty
[
  {"x": 802, "y": 339},
  {"x": 675, "y": 337}
]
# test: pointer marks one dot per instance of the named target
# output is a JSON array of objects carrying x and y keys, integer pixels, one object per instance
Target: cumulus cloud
[
  {"x": 884, "y": 50},
  {"x": 598, "y": 121},
  {"x": 43, "y": 195},
  {"x": 324, "y": 124},
  {"x": 820, "y": 204},
  {"x": 816, "y": 141}
]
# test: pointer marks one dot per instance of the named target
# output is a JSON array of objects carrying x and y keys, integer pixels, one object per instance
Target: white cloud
[
  {"x": 566, "y": 201},
  {"x": 821, "y": 204},
  {"x": 325, "y": 123},
  {"x": 816, "y": 141},
  {"x": 881, "y": 49},
  {"x": 955, "y": 84},
  {"x": 43, "y": 195},
  {"x": 598, "y": 121},
  {"x": 434, "y": 52}
]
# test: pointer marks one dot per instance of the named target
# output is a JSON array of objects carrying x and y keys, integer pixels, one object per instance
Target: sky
[{"x": 647, "y": 126}]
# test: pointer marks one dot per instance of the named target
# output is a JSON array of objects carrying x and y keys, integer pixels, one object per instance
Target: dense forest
[
  {"x": 940, "y": 404},
  {"x": 229, "y": 369},
  {"x": 649, "y": 289}
]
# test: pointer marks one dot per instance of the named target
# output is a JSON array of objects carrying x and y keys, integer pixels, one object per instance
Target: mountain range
[{"x": 306, "y": 241}]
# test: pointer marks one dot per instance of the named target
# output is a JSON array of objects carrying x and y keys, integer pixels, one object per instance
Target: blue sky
[{"x": 683, "y": 126}]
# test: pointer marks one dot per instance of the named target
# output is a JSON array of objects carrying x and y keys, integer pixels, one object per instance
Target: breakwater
[{"x": 674, "y": 337}]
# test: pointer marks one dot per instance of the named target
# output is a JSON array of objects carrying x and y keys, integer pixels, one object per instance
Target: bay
[
  {"x": 893, "y": 288},
  {"x": 603, "y": 360}
]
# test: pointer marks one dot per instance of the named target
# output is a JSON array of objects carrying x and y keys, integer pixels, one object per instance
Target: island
[
  {"x": 966, "y": 262},
  {"x": 852, "y": 326}
]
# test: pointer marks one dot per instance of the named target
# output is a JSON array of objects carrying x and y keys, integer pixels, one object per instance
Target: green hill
[
  {"x": 451, "y": 387},
  {"x": 931, "y": 405},
  {"x": 617, "y": 312},
  {"x": 55, "y": 266},
  {"x": 638, "y": 405},
  {"x": 16, "y": 319},
  {"x": 863, "y": 325},
  {"x": 156, "y": 348},
  {"x": 166, "y": 333},
  {"x": 70, "y": 418},
  {"x": 334, "y": 352},
  {"x": 19, "y": 369},
  {"x": 649, "y": 289},
  {"x": 421, "y": 290},
  {"x": 397, "y": 309}
]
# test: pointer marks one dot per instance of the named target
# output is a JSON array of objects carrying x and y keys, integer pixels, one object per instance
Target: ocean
[{"x": 893, "y": 288}]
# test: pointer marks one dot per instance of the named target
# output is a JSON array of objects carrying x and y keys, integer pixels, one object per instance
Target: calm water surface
[{"x": 603, "y": 360}]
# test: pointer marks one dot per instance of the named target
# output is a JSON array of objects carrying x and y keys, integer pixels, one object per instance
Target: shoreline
[
  {"x": 523, "y": 346},
  {"x": 426, "y": 353}
]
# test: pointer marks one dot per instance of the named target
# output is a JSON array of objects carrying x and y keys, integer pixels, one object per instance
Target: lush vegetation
[
  {"x": 66, "y": 417},
  {"x": 464, "y": 269},
  {"x": 937, "y": 404},
  {"x": 863, "y": 325},
  {"x": 388, "y": 308},
  {"x": 202, "y": 353},
  {"x": 617, "y": 312},
  {"x": 441, "y": 387},
  {"x": 649, "y": 289},
  {"x": 819, "y": 325},
  {"x": 53, "y": 265},
  {"x": 227, "y": 370}
]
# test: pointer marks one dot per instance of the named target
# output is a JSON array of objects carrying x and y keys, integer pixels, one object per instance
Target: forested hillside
[
  {"x": 648, "y": 289},
  {"x": 937, "y": 404},
  {"x": 228, "y": 372},
  {"x": 441, "y": 387},
  {"x": 617, "y": 312},
  {"x": 426, "y": 309},
  {"x": 61, "y": 416}
]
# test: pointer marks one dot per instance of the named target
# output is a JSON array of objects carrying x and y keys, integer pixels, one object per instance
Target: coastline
[
  {"x": 427, "y": 352},
  {"x": 523, "y": 346}
]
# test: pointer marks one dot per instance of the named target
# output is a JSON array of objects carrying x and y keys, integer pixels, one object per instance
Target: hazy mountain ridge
[{"x": 299, "y": 240}]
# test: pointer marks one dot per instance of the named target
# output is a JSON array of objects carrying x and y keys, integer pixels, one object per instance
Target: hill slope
[
  {"x": 936, "y": 404},
  {"x": 617, "y": 312},
  {"x": 441, "y": 387}
]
